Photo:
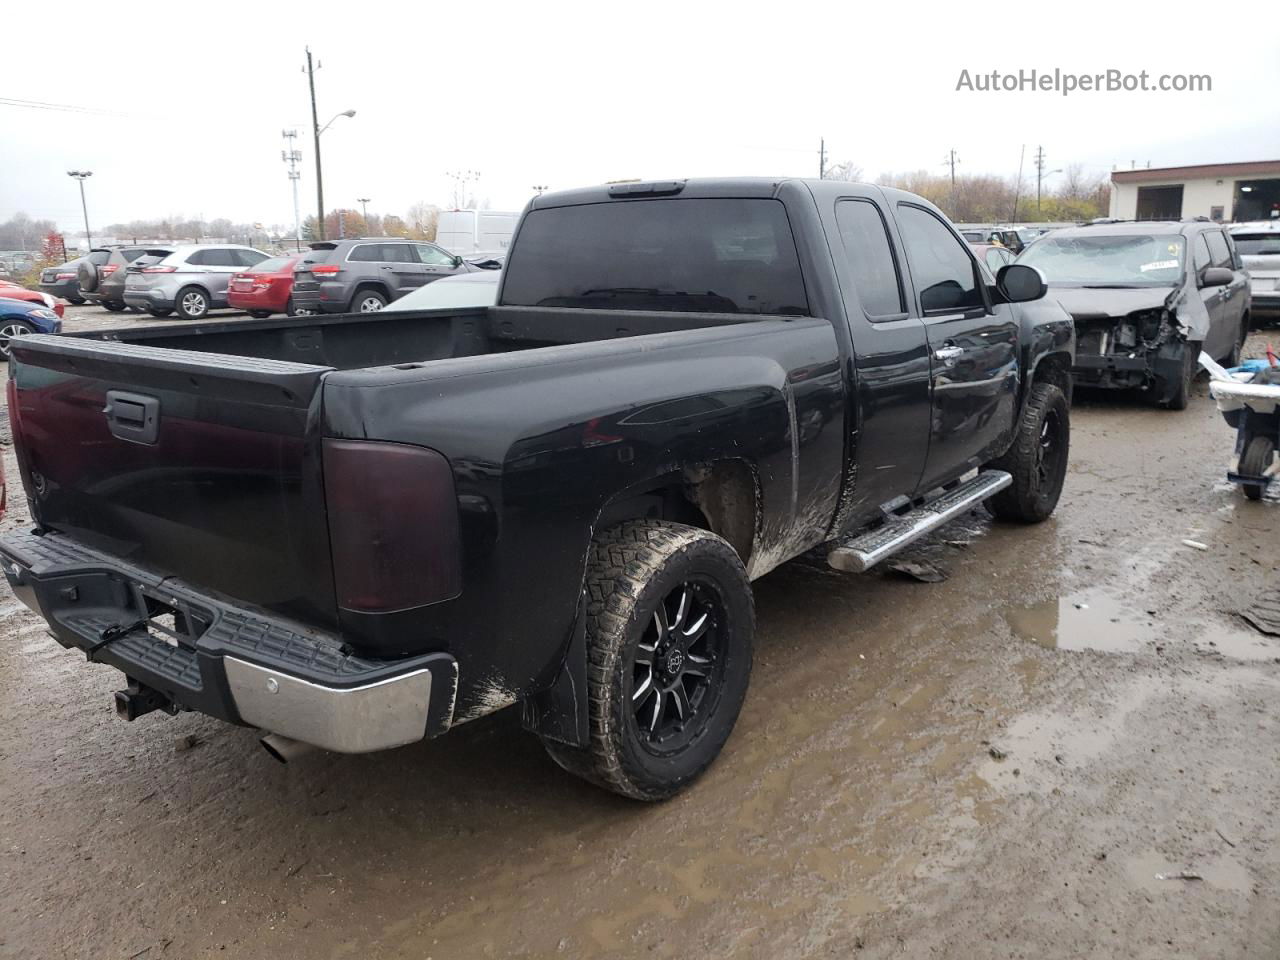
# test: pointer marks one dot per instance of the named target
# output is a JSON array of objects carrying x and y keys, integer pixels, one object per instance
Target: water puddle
[{"x": 1083, "y": 621}]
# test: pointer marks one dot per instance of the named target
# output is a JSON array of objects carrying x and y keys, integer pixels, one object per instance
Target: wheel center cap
[{"x": 675, "y": 660}]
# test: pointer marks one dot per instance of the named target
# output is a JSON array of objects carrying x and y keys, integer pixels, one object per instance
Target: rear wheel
[
  {"x": 10, "y": 329},
  {"x": 368, "y": 301},
  {"x": 670, "y": 625},
  {"x": 1259, "y": 457},
  {"x": 115, "y": 306},
  {"x": 1037, "y": 461},
  {"x": 193, "y": 303},
  {"x": 76, "y": 301},
  {"x": 260, "y": 314}
]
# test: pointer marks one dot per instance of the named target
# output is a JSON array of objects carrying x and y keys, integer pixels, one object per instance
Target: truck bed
[{"x": 354, "y": 341}]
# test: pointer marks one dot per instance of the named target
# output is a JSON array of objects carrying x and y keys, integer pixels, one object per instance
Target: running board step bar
[{"x": 864, "y": 552}]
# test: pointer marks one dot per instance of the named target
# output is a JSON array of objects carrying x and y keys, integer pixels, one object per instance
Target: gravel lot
[{"x": 1069, "y": 748}]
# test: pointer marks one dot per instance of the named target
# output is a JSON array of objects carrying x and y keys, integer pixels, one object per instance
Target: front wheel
[
  {"x": 670, "y": 624},
  {"x": 1258, "y": 460},
  {"x": 76, "y": 301},
  {"x": 159, "y": 311},
  {"x": 115, "y": 306},
  {"x": 1180, "y": 398},
  {"x": 259, "y": 314},
  {"x": 1037, "y": 460},
  {"x": 9, "y": 330}
]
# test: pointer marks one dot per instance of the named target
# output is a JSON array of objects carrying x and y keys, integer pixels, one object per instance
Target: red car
[
  {"x": 15, "y": 291},
  {"x": 264, "y": 289}
]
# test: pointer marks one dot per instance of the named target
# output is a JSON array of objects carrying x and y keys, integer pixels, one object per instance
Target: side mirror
[
  {"x": 457, "y": 261},
  {"x": 1215, "y": 277},
  {"x": 1020, "y": 283}
]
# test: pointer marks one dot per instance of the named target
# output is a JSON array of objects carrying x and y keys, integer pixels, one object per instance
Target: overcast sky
[{"x": 571, "y": 94}]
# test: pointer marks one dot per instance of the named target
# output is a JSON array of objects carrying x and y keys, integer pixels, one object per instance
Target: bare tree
[
  {"x": 848, "y": 171},
  {"x": 421, "y": 220}
]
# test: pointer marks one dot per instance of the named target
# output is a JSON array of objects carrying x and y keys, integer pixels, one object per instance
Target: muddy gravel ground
[{"x": 1068, "y": 748}]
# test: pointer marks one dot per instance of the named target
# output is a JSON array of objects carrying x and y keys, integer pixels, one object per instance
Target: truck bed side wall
[{"x": 540, "y": 442}]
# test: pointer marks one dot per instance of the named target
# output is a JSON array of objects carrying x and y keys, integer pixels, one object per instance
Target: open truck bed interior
[{"x": 353, "y": 341}]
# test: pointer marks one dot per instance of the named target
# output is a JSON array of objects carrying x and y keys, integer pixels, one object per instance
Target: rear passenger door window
[
  {"x": 944, "y": 274},
  {"x": 869, "y": 252},
  {"x": 218, "y": 257},
  {"x": 397, "y": 253},
  {"x": 366, "y": 253}
]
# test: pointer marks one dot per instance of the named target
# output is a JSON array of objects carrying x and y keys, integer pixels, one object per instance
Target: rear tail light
[
  {"x": 159, "y": 269},
  {"x": 109, "y": 269},
  {"x": 393, "y": 525},
  {"x": 64, "y": 276},
  {"x": 326, "y": 269}
]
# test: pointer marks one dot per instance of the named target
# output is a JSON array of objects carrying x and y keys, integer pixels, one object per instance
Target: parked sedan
[
  {"x": 20, "y": 317},
  {"x": 15, "y": 291},
  {"x": 64, "y": 280},
  {"x": 265, "y": 289},
  {"x": 192, "y": 280}
]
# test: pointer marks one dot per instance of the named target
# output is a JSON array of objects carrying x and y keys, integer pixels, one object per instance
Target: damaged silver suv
[{"x": 1147, "y": 297}]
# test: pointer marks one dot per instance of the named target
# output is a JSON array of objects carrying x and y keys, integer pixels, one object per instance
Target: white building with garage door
[{"x": 1219, "y": 191}]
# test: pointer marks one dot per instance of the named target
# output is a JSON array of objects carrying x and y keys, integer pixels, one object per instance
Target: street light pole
[
  {"x": 364, "y": 207},
  {"x": 83, "y": 175},
  {"x": 315, "y": 127}
]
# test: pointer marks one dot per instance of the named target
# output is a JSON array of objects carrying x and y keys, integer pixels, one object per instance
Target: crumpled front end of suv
[{"x": 1130, "y": 339}]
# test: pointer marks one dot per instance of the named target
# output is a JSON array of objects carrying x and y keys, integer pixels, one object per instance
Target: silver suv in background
[
  {"x": 365, "y": 274},
  {"x": 190, "y": 281},
  {"x": 1258, "y": 244}
]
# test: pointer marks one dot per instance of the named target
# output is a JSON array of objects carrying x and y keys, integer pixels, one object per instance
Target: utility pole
[
  {"x": 822, "y": 158},
  {"x": 1039, "y": 175},
  {"x": 364, "y": 207},
  {"x": 293, "y": 157},
  {"x": 1017, "y": 187},
  {"x": 315, "y": 126},
  {"x": 951, "y": 160},
  {"x": 83, "y": 175}
]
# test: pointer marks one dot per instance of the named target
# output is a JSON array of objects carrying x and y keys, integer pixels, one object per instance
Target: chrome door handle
[{"x": 948, "y": 355}]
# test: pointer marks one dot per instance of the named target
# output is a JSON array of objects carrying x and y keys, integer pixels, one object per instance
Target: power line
[{"x": 60, "y": 107}]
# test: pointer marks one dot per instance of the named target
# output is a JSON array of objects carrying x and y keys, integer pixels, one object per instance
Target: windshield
[
  {"x": 1112, "y": 261},
  {"x": 1257, "y": 244},
  {"x": 702, "y": 255}
]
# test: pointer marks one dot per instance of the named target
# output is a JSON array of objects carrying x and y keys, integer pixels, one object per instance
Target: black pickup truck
[{"x": 357, "y": 531}]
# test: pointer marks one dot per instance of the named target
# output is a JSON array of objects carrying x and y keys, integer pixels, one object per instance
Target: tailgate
[{"x": 201, "y": 466}]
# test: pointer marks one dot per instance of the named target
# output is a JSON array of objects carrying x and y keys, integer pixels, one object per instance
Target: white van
[{"x": 467, "y": 232}]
